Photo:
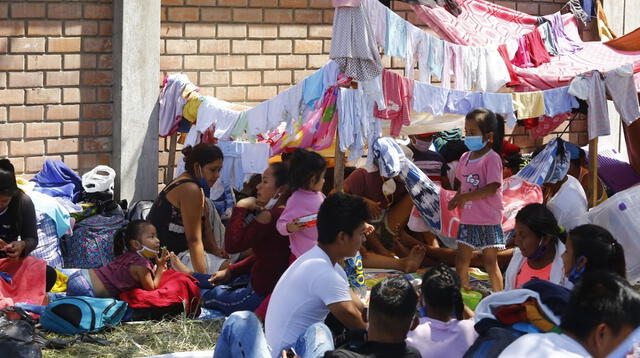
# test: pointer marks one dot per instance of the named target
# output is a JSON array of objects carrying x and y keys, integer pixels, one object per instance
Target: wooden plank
[
  {"x": 173, "y": 142},
  {"x": 338, "y": 169},
  {"x": 593, "y": 172}
]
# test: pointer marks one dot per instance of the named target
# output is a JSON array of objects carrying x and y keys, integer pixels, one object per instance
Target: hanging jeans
[
  {"x": 235, "y": 295},
  {"x": 242, "y": 336}
]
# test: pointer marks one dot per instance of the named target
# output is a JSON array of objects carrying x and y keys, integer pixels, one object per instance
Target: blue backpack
[{"x": 74, "y": 315}]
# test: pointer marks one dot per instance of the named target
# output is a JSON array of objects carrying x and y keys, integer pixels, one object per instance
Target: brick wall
[{"x": 55, "y": 83}]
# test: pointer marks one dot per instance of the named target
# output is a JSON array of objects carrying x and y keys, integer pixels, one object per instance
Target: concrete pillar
[{"x": 136, "y": 58}]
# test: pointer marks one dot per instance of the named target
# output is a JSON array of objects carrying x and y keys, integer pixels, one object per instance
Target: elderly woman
[{"x": 182, "y": 215}]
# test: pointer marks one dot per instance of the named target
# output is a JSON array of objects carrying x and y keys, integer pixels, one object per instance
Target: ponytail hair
[
  {"x": 441, "y": 289},
  {"x": 489, "y": 122},
  {"x": 600, "y": 249},
  {"x": 303, "y": 167},
  {"x": 130, "y": 232}
]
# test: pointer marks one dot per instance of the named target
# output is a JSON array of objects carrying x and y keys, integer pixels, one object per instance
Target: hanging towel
[{"x": 353, "y": 46}]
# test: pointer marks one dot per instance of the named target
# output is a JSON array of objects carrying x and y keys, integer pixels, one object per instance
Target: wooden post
[
  {"x": 593, "y": 172},
  {"x": 173, "y": 141},
  {"x": 338, "y": 170}
]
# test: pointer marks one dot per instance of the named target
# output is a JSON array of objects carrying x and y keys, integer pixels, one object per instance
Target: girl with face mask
[
  {"x": 538, "y": 252},
  {"x": 243, "y": 286},
  {"x": 591, "y": 248}
]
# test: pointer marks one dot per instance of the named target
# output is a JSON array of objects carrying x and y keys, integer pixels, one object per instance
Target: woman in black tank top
[{"x": 179, "y": 210}]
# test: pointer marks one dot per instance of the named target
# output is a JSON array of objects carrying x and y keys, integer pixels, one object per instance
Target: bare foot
[
  {"x": 177, "y": 265},
  {"x": 412, "y": 262},
  {"x": 399, "y": 249}
]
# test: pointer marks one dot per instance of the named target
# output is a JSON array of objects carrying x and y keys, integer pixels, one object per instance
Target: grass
[{"x": 147, "y": 338}]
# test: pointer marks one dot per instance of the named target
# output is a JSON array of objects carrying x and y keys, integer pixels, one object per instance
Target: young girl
[
  {"x": 306, "y": 178},
  {"x": 479, "y": 182},
  {"x": 539, "y": 250},
  {"x": 439, "y": 335},
  {"x": 131, "y": 269},
  {"x": 591, "y": 248}
]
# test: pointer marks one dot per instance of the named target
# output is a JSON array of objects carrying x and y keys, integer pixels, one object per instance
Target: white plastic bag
[
  {"x": 619, "y": 214},
  {"x": 99, "y": 179}
]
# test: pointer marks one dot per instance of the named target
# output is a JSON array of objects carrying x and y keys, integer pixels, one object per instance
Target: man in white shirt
[
  {"x": 603, "y": 310},
  {"x": 315, "y": 284}
]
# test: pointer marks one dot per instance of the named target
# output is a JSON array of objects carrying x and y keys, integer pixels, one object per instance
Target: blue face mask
[
  {"x": 576, "y": 272},
  {"x": 474, "y": 143},
  {"x": 205, "y": 187}
]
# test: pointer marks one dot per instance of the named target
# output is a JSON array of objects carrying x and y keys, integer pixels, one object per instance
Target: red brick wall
[{"x": 55, "y": 83}]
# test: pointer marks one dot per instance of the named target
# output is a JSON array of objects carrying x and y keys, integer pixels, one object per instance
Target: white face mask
[
  {"x": 420, "y": 145},
  {"x": 389, "y": 187},
  {"x": 272, "y": 202}
]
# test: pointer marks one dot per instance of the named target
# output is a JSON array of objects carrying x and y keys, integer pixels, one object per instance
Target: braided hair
[{"x": 441, "y": 289}]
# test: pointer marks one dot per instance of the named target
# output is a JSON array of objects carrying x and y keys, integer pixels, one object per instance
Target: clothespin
[{"x": 354, "y": 84}]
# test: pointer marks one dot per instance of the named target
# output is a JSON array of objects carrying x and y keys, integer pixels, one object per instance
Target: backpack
[
  {"x": 74, "y": 315},
  {"x": 140, "y": 210},
  {"x": 91, "y": 244},
  {"x": 19, "y": 338}
]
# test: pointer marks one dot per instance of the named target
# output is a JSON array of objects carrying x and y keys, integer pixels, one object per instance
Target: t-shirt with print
[
  {"x": 475, "y": 174},
  {"x": 301, "y": 298}
]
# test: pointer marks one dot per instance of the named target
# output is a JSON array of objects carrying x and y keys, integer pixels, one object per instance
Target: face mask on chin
[
  {"x": 272, "y": 202},
  {"x": 389, "y": 187},
  {"x": 147, "y": 252},
  {"x": 202, "y": 182}
]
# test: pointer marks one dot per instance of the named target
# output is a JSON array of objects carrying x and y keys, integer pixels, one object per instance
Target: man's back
[{"x": 376, "y": 350}]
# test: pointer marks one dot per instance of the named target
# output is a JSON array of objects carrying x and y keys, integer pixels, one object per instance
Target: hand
[
  {"x": 375, "y": 211},
  {"x": 163, "y": 257},
  {"x": 220, "y": 253},
  {"x": 457, "y": 201},
  {"x": 249, "y": 203},
  {"x": 15, "y": 249},
  {"x": 220, "y": 277},
  {"x": 2, "y": 244},
  {"x": 368, "y": 229},
  {"x": 295, "y": 225}
]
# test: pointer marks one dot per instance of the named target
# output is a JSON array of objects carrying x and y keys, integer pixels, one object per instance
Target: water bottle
[{"x": 355, "y": 272}]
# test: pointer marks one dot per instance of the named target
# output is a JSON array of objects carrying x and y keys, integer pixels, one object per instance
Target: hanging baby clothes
[
  {"x": 462, "y": 102},
  {"x": 241, "y": 160},
  {"x": 565, "y": 45},
  {"x": 396, "y": 41},
  {"x": 212, "y": 111},
  {"x": 547, "y": 125},
  {"x": 171, "y": 103},
  {"x": 398, "y": 92},
  {"x": 286, "y": 107},
  {"x": 593, "y": 87},
  {"x": 537, "y": 51},
  {"x": 528, "y": 104},
  {"x": 353, "y": 123},
  {"x": 471, "y": 63},
  {"x": 353, "y": 47},
  {"x": 373, "y": 90},
  {"x": 497, "y": 73},
  {"x": 423, "y": 57},
  {"x": 415, "y": 37},
  {"x": 549, "y": 38},
  {"x": 391, "y": 161},
  {"x": 558, "y": 100},
  {"x": 377, "y": 15},
  {"x": 436, "y": 57},
  {"x": 447, "y": 65},
  {"x": 190, "y": 109},
  {"x": 315, "y": 85},
  {"x": 522, "y": 58},
  {"x": 500, "y": 103},
  {"x": 429, "y": 98},
  {"x": 458, "y": 66}
]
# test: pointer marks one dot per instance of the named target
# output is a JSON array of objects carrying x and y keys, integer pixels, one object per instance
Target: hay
[{"x": 145, "y": 339}]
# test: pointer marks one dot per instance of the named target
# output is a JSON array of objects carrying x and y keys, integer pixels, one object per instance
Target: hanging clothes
[
  {"x": 436, "y": 57},
  {"x": 549, "y": 38},
  {"x": 353, "y": 123},
  {"x": 241, "y": 161},
  {"x": 171, "y": 103},
  {"x": 429, "y": 98},
  {"x": 500, "y": 103},
  {"x": 415, "y": 37},
  {"x": 537, "y": 50},
  {"x": 462, "y": 102},
  {"x": 497, "y": 74},
  {"x": 471, "y": 63},
  {"x": 377, "y": 15},
  {"x": 316, "y": 84},
  {"x": 593, "y": 88},
  {"x": 558, "y": 100},
  {"x": 190, "y": 109},
  {"x": 423, "y": 57},
  {"x": 447, "y": 65},
  {"x": 398, "y": 92},
  {"x": 458, "y": 66},
  {"x": 565, "y": 45},
  {"x": 211, "y": 112},
  {"x": 522, "y": 58},
  {"x": 353, "y": 46},
  {"x": 547, "y": 125},
  {"x": 513, "y": 76},
  {"x": 373, "y": 90},
  {"x": 528, "y": 104},
  {"x": 396, "y": 41}
]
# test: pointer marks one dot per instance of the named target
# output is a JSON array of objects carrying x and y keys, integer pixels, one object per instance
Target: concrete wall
[{"x": 55, "y": 83}]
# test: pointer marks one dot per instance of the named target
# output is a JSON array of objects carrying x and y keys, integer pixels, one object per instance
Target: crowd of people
[{"x": 279, "y": 258}]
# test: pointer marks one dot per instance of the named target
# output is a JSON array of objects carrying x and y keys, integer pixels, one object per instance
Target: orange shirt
[{"x": 526, "y": 273}]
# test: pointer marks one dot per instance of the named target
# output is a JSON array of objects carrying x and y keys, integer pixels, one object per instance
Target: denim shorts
[{"x": 480, "y": 237}]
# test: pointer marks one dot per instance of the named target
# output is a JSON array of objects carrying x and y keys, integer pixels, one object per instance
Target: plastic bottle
[{"x": 355, "y": 272}]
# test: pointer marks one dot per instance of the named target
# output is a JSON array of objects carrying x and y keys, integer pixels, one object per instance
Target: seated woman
[
  {"x": 538, "y": 252},
  {"x": 30, "y": 277},
  {"x": 180, "y": 212},
  {"x": 591, "y": 248},
  {"x": 438, "y": 334},
  {"x": 244, "y": 285}
]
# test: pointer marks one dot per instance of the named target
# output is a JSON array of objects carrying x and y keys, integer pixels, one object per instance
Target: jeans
[
  {"x": 235, "y": 295},
  {"x": 242, "y": 336}
]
